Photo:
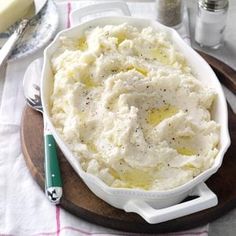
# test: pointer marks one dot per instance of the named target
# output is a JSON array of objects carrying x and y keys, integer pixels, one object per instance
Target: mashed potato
[{"x": 128, "y": 106}]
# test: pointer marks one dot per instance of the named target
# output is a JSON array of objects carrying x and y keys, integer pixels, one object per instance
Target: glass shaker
[
  {"x": 211, "y": 22},
  {"x": 170, "y": 12}
]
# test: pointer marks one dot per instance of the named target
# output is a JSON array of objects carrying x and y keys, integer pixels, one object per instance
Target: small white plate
[{"x": 41, "y": 30}]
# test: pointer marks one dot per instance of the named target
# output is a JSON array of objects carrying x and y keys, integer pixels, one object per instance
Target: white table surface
[{"x": 226, "y": 225}]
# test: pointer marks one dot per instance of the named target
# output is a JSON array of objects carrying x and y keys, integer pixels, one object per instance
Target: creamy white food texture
[{"x": 128, "y": 106}]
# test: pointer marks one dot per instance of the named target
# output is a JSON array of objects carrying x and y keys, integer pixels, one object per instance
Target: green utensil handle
[{"x": 53, "y": 183}]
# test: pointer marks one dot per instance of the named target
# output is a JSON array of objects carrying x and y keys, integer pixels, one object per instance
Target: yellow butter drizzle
[
  {"x": 157, "y": 115},
  {"x": 82, "y": 44},
  {"x": 134, "y": 178},
  {"x": 88, "y": 82},
  {"x": 142, "y": 71},
  {"x": 186, "y": 151},
  {"x": 160, "y": 55},
  {"x": 85, "y": 79},
  {"x": 91, "y": 147},
  {"x": 120, "y": 38}
]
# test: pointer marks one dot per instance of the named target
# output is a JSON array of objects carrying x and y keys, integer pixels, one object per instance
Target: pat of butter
[{"x": 12, "y": 11}]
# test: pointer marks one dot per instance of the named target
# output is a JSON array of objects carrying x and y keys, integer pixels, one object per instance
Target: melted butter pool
[
  {"x": 160, "y": 55},
  {"x": 82, "y": 44},
  {"x": 137, "y": 178},
  {"x": 120, "y": 38},
  {"x": 88, "y": 82},
  {"x": 157, "y": 115},
  {"x": 186, "y": 151}
]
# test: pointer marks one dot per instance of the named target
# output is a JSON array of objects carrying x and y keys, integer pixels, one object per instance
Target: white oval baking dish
[{"x": 153, "y": 206}]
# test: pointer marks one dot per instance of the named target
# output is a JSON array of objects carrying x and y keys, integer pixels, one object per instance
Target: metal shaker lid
[{"x": 213, "y": 5}]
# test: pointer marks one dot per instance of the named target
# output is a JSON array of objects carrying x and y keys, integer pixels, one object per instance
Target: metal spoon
[{"x": 53, "y": 183}]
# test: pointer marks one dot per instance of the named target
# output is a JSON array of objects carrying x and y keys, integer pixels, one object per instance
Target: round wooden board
[{"x": 80, "y": 201}]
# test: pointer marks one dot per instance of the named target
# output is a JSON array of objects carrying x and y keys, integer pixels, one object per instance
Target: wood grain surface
[
  {"x": 80, "y": 201},
  {"x": 226, "y": 74}
]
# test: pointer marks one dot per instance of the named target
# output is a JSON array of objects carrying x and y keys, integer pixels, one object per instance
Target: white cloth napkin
[{"x": 24, "y": 210}]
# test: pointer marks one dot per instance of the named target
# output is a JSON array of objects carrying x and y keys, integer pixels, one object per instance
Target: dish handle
[
  {"x": 205, "y": 200},
  {"x": 77, "y": 15}
]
